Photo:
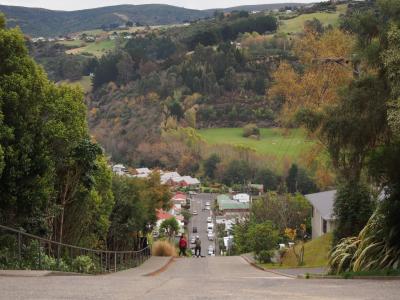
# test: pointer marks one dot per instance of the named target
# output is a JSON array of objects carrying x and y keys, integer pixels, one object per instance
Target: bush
[
  {"x": 83, "y": 264},
  {"x": 251, "y": 130},
  {"x": 163, "y": 248},
  {"x": 264, "y": 256}
]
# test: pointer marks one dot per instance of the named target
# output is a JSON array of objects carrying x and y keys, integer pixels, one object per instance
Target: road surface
[
  {"x": 217, "y": 277},
  {"x": 198, "y": 203}
]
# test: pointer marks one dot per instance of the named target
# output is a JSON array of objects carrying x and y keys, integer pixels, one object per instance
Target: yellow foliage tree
[{"x": 318, "y": 85}]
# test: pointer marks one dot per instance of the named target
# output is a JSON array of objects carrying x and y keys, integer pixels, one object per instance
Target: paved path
[{"x": 195, "y": 278}]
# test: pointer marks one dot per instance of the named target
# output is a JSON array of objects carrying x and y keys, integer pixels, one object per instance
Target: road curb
[
  {"x": 33, "y": 273},
  {"x": 266, "y": 270},
  {"x": 162, "y": 269},
  {"x": 316, "y": 276}
]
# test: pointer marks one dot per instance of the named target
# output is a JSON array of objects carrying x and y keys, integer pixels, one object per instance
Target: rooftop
[
  {"x": 224, "y": 202},
  {"x": 323, "y": 202}
]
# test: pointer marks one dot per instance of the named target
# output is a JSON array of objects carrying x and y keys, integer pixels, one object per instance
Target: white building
[
  {"x": 322, "y": 220},
  {"x": 119, "y": 169},
  {"x": 242, "y": 198}
]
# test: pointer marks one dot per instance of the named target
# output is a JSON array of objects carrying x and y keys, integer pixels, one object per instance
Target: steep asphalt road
[{"x": 195, "y": 278}]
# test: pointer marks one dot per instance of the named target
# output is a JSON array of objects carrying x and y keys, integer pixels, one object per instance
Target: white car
[
  {"x": 209, "y": 220},
  {"x": 207, "y": 203},
  {"x": 210, "y": 236},
  {"x": 210, "y": 250},
  {"x": 208, "y": 207},
  {"x": 210, "y": 226},
  {"x": 194, "y": 212}
]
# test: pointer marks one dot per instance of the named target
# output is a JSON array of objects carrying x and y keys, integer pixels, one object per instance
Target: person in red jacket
[{"x": 182, "y": 245}]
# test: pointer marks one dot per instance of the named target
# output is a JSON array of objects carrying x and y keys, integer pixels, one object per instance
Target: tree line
[{"x": 55, "y": 180}]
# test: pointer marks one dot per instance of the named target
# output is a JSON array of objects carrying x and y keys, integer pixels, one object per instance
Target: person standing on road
[
  {"x": 182, "y": 245},
  {"x": 197, "y": 249}
]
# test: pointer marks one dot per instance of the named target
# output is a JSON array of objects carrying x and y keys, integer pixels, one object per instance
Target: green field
[
  {"x": 85, "y": 83},
  {"x": 273, "y": 141},
  {"x": 296, "y": 24},
  {"x": 97, "y": 48}
]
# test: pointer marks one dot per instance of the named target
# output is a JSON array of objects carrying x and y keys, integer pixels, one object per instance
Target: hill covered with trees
[{"x": 42, "y": 22}]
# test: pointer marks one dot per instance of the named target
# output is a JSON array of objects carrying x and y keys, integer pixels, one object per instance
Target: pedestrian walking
[
  {"x": 197, "y": 249},
  {"x": 182, "y": 245}
]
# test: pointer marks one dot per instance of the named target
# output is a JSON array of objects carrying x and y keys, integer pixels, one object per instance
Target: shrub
[
  {"x": 83, "y": 264},
  {"x": 251, "y": 130},
  {"x": 264, "y": 256},
  {"x": 163, "y": 248}
]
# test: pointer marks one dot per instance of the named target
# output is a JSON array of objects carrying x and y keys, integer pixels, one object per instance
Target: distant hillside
[
  {"x": 260, "y": 7},
  {"x": 42, "y": 22}
]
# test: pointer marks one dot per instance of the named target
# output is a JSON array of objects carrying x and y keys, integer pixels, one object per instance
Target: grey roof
[
  {"x": 224, "y": 202},
  {"x": 323, "y": 202}
]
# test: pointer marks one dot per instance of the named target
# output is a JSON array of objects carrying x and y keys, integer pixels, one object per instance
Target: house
[
  {"x": 167, "y": 177},
  {"x": 322, "y": 218},
  {"x": 189, "y": 181},
  {"x": 242, "y": 198},
  {"x": 230, "y": 207},
  {"x": 179, "y": 198},
  {"x": 256, "y": 188},
  {"x": 119, "y": 169},
  {"x": 163, "y": 215},
  {"x": 142, "y": 172}
]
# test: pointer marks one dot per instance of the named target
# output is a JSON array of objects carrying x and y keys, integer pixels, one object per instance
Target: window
[{"x": 324, "y": 225}]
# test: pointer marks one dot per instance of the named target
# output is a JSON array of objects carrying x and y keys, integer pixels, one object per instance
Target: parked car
[
  {"x": 210, "y": 250},
  {"x": 210, "y": 236},
  {"x": 210, "y": 226},
  {"x": 209, "y": 220},
  {"x": 194, "y": 229},
  {"x": 194, "y": 212}
]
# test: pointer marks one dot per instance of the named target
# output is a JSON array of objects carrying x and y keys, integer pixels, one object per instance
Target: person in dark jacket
[
  {"x": 197, "y": 249},
  {"x": 182, "y": 245}
]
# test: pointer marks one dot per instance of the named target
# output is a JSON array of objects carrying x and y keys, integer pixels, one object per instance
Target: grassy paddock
[
  {"x": 85, "y": 83},
  {"x": 273, "y": 141},
  {"x": 97, "y": 48},
  {"x": 296, "y": 24}
]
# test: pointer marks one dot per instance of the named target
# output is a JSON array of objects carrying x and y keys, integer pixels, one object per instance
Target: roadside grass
[
  {"x": 316, "y": 254},
  {"x": 371, "y": 273},
  {"x": 273, "y": 141},
  {"x": 164, "y": 248},
  {"x": 295, "y": 25}
]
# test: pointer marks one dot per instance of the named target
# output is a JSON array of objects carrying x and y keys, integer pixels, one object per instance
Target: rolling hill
[{"x": 42, "y": 22}]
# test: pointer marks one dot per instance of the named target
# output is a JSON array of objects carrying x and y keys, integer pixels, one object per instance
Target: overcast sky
[{"x": 82, "y": 4}]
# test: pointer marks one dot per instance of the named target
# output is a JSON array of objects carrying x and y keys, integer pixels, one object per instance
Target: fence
[{"x": 21, "y": 250}]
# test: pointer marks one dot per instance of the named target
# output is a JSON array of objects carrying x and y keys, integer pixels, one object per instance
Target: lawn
[
  {"x": 85, "y": 83},
  {"x": 97, "y": 48},
  {"x": 296, "y": 24},
  {"x": 316, "y": 254},
  {"x": 273, "y": 141}
]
